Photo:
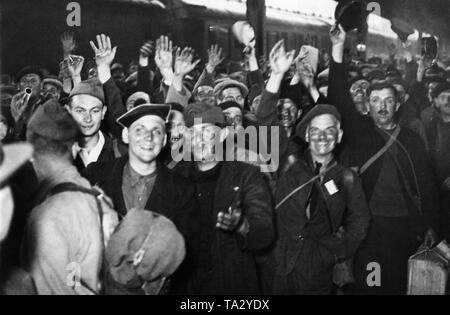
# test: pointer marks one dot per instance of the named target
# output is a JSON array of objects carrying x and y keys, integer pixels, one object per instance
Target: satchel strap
[{"x": 380, "y": 153}]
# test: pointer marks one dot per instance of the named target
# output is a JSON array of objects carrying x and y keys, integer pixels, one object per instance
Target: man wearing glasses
[{"x": 397, "y": 179}]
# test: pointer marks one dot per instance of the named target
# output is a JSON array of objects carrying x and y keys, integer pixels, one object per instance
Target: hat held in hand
[
  {"x": 402, "y": 29},
  {"x": 351, "y": 14},
  {"x": 244, "y": 33},
  {"x": 145, "y": 248}
]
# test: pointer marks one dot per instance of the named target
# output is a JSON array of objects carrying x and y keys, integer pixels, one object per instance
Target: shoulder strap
[
  {"x": 65, "y": 187},
  {"x": 380, "y": 153},
  {"x": 312, "y": 180}
]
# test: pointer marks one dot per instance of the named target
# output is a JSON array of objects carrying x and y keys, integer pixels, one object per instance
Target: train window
[
  {"x": 219, "y": 35},
  {"x": 314, "y": 41},
  {"x": 272, "y": 38}
]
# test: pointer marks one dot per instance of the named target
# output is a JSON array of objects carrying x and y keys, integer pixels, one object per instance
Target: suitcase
[{"x": 428, "y": 271}]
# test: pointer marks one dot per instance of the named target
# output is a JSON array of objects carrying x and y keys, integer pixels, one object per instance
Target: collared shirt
[
  {"x": 136, "y": 188},
  {"x": 91, "y": 156}
]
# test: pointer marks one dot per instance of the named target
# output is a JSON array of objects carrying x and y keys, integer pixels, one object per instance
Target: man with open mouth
[{"x": 139, "y": 180}]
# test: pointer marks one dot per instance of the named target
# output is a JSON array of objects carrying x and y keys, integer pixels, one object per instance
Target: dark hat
[
  {"x": 234, "y": 67},
  {"x": 145, "y": 247},
  {"x": 402, "y": 29},
  {"x": 374, "y": 61},
  {"x": 376, "y": 74},
  {"x": 138, "y": 98},
  {"x": 176, "y": 106},
  {"x": 160, "y": 110},
  {"x": 318, "y": 110},
  {"x": 117, "y": 66},
  {"x": 229, "y": 104},
  {"x": 441, "y": 87},
  {"x": 92, "y": 87},
  {"x": 12, "y": 156},
  {"x": 53, "y": 121},
  {"x": 351, "y": 14},
  {"x": 28, "y": 70},
  {"x": 393, "y": 72},
  {"x": 434, "y": 74},
  {"x": 204, "y": 113}
]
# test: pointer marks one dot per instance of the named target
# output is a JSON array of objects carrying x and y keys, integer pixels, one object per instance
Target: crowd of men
[{"x": 105, "y": 205}]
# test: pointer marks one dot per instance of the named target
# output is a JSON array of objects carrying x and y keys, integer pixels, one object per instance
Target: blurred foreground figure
[
  {"x": 11, "y": 158},
  {"x": 70, "y": 226}
]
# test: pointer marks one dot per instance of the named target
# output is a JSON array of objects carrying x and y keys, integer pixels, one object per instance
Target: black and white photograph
[{"x": 225, "y": 154}]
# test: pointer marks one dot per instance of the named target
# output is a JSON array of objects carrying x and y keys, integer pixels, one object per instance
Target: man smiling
[
  {"x": 309, "y": 218},
  {"x": 139, "y": 180},
  {"x": 396, "y": 174},
  {"x": 87, "y": 107}
]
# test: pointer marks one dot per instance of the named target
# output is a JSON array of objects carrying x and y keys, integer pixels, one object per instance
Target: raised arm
[
  {"x": 144, "y": 82},
  {"x": 184, "y": 64},
  {"x": 104, "y": 56}
]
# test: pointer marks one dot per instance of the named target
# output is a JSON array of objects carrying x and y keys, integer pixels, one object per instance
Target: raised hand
[
  {"x": 75, "y": 65},
  {"x": 215, "y": 58},
  {"x": 104, "y": 53},
  {"x": 163, "y": 54},
  {"x": 19, "y": 103},
  {"x": 68, "y": 43},
  {"x": 337, "y": 35},
  {"x": 280, "y": 60},
  {"x": 184, "y": 61},
  {"x": 147, "y": 49}
]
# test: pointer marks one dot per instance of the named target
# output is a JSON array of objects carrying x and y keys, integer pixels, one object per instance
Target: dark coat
[
  {"x": 234, "y": 257},
  {"x": 172, "y": 196},
  {"x": 363, "y": 141},
  {"x": 107, "y": 154},
  {"x": 312, "y": 242}
]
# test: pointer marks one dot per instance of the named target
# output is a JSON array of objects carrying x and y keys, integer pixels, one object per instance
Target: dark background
[{"x": 30, "y": 29}]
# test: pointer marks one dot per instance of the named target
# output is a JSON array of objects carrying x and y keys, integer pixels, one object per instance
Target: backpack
[{"x": 107, "y": 216}]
